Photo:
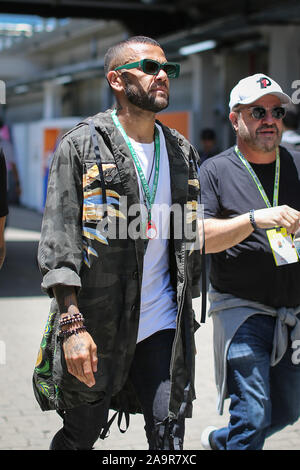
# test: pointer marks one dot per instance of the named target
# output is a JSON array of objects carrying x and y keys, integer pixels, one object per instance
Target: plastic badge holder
[{"x": 297, "y": 241}]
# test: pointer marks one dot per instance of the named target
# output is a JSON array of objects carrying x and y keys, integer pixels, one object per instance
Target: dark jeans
[
  {"x": 264, "y": 399},
  {"x": 150, "y": 376}
]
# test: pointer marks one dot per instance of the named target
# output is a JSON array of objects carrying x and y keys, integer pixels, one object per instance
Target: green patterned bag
[{"x": 46, "y": 392}]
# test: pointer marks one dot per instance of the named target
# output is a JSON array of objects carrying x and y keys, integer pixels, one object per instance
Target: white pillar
[
  {"x": 48, "y": 111},
  {"x": 197, "y": 97},
  {"x": 197, "y": 89},
  {"x": 52, "y": 100},
  {"x": 284, "y": 55},
  {"x": 205, "y": 84}
]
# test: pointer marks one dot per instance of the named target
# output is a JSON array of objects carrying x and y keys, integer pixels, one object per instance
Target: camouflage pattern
[{"x": 75, "y": 250}]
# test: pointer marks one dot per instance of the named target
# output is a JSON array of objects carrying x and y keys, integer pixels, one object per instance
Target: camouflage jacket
[{"x": 107, "y": 272}]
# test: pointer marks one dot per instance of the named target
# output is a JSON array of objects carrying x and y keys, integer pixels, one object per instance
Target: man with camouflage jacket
[{"x": 120, "y": 334}]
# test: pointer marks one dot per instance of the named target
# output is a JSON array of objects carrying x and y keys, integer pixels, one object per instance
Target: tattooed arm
[{"x": 80, "y": 350}]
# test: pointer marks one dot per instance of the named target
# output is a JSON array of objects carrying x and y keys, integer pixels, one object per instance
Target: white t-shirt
[{"x": 158, "y": 299}]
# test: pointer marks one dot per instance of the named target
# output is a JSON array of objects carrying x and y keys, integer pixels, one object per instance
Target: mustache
[{"x": 268, "y": 127}]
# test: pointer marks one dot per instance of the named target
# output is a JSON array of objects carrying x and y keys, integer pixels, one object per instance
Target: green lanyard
[
  {"x": 256, "y": 180},
  {"x": 150, "y": 196}
]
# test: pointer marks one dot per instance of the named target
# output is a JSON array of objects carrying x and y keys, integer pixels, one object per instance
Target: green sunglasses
[{"x": 152, "y": 67}]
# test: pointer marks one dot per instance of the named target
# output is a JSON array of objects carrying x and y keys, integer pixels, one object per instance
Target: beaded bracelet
[
  {"x": 71, "y": 319},
  {"x": 67, "y": 333},
  {"x": 73, "y": 315}
]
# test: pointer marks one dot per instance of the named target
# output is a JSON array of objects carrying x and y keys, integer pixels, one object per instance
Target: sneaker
[{"x": 206, "y": 437}]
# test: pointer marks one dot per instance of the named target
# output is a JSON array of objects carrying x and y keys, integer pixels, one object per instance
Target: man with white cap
[{"x": 251, "y": 197}]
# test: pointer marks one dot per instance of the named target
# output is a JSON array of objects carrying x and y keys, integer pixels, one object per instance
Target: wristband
[
  {"x": 252, "y": 219},
  {"x": 67, "y": 320},
  {"x": 67, "y": 333},
  {"x": 75, "y": 318}
]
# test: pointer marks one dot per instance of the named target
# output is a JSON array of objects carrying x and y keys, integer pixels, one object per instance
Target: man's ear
[
  {"x": 233, "y": 117},
  {"x": 115, "y": 80}
]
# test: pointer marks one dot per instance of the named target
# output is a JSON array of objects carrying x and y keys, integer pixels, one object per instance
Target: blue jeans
[
  {"x": 264, "y": 399},
  {"x": 150, "y": 377}
]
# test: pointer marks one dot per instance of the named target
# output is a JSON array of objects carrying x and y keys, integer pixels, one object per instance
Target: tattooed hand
[
  {"x": 81, "y": 357},
  {"x": 79, "y": 349}
]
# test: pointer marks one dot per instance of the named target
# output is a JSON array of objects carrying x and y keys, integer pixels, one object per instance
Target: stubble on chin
[
  {"x": 258, "y": 143},
  {"x": 268, "y": 145}
]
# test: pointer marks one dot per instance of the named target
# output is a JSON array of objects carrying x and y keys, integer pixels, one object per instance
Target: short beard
[
  {"x": 256, "y": 144},
  {"x": 137, "y": 96}
]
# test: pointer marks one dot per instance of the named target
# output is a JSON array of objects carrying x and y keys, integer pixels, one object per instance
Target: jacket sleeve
[
  {"x": 196, "y": 255},
  {"x": 60, "y": 247}
]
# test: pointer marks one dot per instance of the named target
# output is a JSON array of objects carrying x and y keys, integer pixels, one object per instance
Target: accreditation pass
[{"x": 282, "y": 246}]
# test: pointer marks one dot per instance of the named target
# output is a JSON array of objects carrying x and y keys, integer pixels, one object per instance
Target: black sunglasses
[
  {"x": 259, "y": 112},
  {"x": 152, "y": 67}
]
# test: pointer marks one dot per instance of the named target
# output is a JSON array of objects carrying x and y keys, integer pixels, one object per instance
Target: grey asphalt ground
[{"x": 23, "y": 314}]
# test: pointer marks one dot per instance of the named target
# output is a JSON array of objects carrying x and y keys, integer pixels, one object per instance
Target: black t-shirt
[
  {"x": 248, "y": 270},
  {"x": 3, "y": 188}
]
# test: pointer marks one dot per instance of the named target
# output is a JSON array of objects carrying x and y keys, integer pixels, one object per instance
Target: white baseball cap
[{"x": 252, "y": 88}]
